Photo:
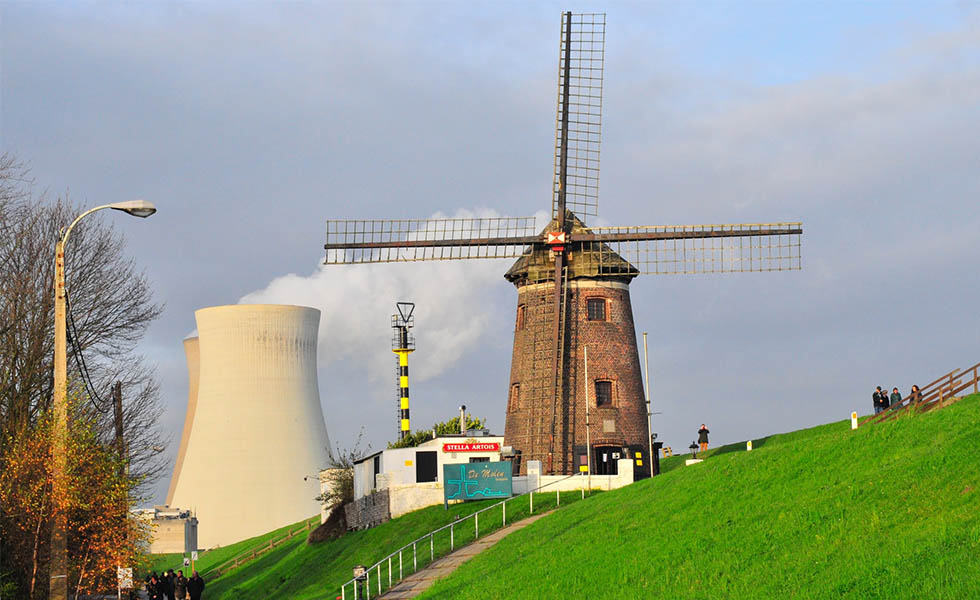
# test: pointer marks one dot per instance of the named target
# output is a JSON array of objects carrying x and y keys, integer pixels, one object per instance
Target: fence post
[
  {"x": 504, "y": 504},
  {"x": 389, "y": 571},
  {"x": 532, "y": 502},
  {"x": 452, "y": 538},
  {"x": 975, "y": 390},
  {"x": 399, "y": 567},
  {"x": 476, "y": 519},
  {"x": 432, "y": 549},
  {"x": 415, "y": 559},
  {"x": 367, "y": 581},
  {"x": 379, "y": 579}
]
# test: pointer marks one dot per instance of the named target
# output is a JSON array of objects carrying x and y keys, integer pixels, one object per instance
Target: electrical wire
[{"x": 93, "y": 396}]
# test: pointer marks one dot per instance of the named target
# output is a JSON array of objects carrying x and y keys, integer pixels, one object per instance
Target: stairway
[{"x": 942, "y": 392}]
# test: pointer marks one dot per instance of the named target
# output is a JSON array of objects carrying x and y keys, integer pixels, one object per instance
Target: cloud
[{"x": 356, "y": 302}]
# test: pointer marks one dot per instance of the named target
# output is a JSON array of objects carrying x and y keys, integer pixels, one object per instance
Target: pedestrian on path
[
  {"x": 703, "y": 437},
  {"x": 195, "y": 586},
  {"x": 180, "y": 586}
]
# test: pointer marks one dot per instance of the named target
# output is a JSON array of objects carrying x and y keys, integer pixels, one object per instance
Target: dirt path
[{"x": 416, "y": 583}]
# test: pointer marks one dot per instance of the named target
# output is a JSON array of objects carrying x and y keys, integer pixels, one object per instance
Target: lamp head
[{"x": 137, "y": 208}]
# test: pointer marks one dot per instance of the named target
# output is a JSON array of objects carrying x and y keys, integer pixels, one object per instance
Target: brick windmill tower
[{"x": 573, "y": 280}]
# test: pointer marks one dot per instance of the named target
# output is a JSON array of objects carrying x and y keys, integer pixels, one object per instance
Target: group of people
[
  {"x": 170, "y": 586},
  {"x": 882, "y": 400}
]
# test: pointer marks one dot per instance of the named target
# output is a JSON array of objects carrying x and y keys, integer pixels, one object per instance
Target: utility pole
[
  {"x": 59, "y": 543},
  {"x": 646, "y": 365}
]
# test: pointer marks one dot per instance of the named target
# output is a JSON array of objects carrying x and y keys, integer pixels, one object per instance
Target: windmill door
[{"x": 605, "y": 460}]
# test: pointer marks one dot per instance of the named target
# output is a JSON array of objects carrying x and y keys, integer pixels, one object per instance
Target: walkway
[{"x": 415, "y": 584}]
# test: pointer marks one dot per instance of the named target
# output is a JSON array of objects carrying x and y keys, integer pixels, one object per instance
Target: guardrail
[
  {"x": 414, "y": 545},
  {"x": 936, "y": 394},
  {"x": 248, "y": 556}
]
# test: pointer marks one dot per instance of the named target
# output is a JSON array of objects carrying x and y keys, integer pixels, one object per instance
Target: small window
[
  {"x": 515, "y": 396},
  {"x": 603, "y": 393},
  {"x": 597, "y": 309},
  {"x": 521, "y": 315}
]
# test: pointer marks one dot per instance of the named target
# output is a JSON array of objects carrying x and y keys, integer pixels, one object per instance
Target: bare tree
[{"x": 110, "y": 305}]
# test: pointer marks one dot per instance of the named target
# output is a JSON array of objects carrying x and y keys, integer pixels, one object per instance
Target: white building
[
  {"x": 254, "y": 433},
  {"x": 174, "y": 530}
]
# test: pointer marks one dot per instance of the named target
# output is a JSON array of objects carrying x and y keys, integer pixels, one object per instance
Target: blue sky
[{"x": 250, "y": 125}]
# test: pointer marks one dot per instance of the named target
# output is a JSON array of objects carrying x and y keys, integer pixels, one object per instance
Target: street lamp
[{"x": 59, "y": 538}]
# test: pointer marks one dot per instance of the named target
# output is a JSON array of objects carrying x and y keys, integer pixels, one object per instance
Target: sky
[{"x": 249, "y": 125}]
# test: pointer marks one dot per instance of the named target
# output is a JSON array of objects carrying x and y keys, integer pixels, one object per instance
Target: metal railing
[
  {"x": 400, "y": 553},
  {"x": 934, "y": 395}
]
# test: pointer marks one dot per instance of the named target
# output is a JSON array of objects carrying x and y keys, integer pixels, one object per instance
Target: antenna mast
[{"x": 403, "y": 344}]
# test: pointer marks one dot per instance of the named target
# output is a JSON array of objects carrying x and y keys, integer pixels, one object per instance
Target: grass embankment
[
  {"x": 297, "y": 570},
  {"x": 887, "y": 511},
  {"x": 214, "y": 558}
]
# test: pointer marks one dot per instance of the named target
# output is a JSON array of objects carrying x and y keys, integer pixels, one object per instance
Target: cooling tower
[{"x": 254, "y": 437}]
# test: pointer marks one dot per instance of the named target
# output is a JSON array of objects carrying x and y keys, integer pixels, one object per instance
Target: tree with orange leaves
[{"x": 102, "y": 534}]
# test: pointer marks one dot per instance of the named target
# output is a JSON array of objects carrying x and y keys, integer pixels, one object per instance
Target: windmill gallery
[{"x": 573, "y": 280}]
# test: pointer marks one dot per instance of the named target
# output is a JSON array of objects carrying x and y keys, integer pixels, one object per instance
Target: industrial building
[{"x": 254, "y": 436}]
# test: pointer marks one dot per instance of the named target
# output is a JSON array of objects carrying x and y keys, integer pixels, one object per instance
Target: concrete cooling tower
[{"x": 254, "y": 427}]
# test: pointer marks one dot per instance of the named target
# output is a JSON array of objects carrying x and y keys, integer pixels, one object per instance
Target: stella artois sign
[{"x": 469, "y": 446}]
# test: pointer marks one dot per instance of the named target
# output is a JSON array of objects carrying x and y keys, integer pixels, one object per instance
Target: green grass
[
  {"x": 887, "y": 511},
  {"x": 297, "y": 570},
  {"x": 213, "y": 558}
]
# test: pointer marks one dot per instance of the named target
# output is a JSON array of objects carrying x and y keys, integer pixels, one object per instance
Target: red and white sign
[
  {"x": 557, "y": 237},
  {"x": 472, "y": 447}
]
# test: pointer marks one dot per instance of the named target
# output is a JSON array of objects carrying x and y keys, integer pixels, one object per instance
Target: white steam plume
[{"x": 453, "y": 307}]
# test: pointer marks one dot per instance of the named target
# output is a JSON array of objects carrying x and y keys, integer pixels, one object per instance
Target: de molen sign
[
  {"x": 477, "y": 481},
  {"x": 471, "y": 447}
]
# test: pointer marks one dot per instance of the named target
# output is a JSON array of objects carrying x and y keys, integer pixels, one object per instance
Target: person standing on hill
[
  {"x": 915, "y": 395},
  {"x": 195, "y": 586},
  {"x": 876, "y": 398},
  {"x": 703, "y": 437},
  {"x": 896, "y": 397},
  {"x": 153, "y": 588}
]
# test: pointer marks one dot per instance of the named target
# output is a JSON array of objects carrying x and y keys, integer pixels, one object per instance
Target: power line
[{"x": 73, "y": 338}]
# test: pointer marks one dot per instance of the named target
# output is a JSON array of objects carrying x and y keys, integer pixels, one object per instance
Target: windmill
[{"x": 573, "y": 279}]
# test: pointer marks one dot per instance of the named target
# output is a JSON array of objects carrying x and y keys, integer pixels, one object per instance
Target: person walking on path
[
  {"x": 703, "y": 437},
  {"x": 153, "y": 588},
  {"x": 167, "y": 584},
  {"x": 896, "y": 397},
  {"x": 180, "y": 586},
  {"x": 195, "y": 586},
  {"x": 876, "y": 398}
]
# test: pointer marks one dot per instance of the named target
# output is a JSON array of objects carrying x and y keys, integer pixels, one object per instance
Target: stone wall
[{"x": 369, "y": 511}]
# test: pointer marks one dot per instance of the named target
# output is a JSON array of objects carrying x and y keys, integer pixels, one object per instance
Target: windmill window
[
  {"x": 597, "y": 309},
  {"x": 521, "y": 315},
  {"x": 515, "y": 396},
  {"x": 603, "y": 393}
]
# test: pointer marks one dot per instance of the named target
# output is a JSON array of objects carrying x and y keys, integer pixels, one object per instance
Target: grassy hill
[
  {"x": 887, "y": 511},
  {"x": 296, "y": 570}
]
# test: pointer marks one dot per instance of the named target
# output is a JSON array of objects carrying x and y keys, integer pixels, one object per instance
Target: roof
[{"x": 585, "y": 259}]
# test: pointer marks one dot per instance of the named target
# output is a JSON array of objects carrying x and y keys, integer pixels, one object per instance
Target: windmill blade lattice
[
  {"x": 413, "y": 240},
  {"x": 692, "y": 249},
  {"x": 580, "y": 67}
]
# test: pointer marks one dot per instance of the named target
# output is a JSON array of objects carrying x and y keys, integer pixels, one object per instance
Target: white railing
[{"x": 389, "y": 559}]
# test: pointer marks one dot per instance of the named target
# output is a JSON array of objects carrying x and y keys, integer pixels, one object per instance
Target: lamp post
[{"x": 59, "y": 537}]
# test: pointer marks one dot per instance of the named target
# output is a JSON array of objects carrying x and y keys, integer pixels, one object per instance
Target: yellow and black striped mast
[{"x": 403, "y": 344}]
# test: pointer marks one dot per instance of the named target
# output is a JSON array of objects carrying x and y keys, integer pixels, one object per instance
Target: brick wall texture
[{"x": 613, "y": 357}]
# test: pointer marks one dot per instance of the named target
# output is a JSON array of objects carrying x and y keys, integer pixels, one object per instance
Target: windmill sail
[
  {"x": 693, "y": 249},
  {"x": 412, "y": 240},
  {"x": 578, "y": 128}
]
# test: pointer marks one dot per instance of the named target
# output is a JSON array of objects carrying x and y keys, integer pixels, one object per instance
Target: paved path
[{"x": 418, "y": 582}]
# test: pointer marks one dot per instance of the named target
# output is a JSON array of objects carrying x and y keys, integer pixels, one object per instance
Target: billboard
[{"x": 477, "y": 481}]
